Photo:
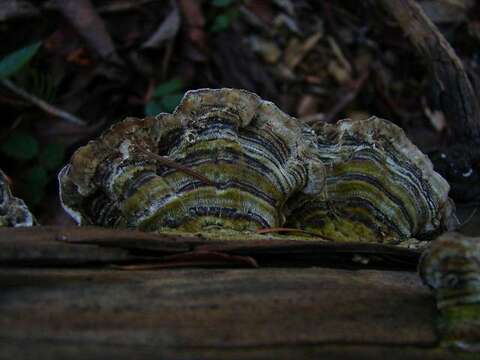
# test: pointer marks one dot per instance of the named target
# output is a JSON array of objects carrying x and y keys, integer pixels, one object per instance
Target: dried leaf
[
  {"x": 337, "y": 51},
  {"x": 268, "y": 50},
  {"x": 167, "y": 30},
  {"x": 308, "y": 105},
  {"x": 285, "y": 5},
  {"x": 84, "y": 18},
  {"x": 296, "y": 51},
  {"x": 340, "y": 74}
]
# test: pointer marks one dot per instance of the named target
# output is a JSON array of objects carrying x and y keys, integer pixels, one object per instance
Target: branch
[
  {"x": 163, "y": 160},
  {"x": 49, "y": 109},
  {"x": 453, "y": 91}
]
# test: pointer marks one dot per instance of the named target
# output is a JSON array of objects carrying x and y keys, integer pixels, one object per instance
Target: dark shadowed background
[{"x": 69, "y": 69}]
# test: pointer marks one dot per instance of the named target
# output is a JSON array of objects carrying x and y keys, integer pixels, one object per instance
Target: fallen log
[{"x": 89, "y": 309}]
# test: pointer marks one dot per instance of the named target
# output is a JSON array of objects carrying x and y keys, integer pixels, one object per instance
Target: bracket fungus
[
  {"x": 379, "y": 186},
  {"x": 226, "y": 160},
  {"x": 13, "y": 211},
  {"x": 239, "y": 159},
  {"x": 451, "y": 268}
]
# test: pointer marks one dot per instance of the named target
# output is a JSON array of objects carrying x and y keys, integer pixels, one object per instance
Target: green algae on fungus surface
[
  {"x": 261, "y": 169},
  {"x": 460, "y": 322},
  {"x": 13, "y": 211},
  {"x": 254, "y": 156},
  {"x": 451, "y": 268},
  {"x": 379, "y": 186}
]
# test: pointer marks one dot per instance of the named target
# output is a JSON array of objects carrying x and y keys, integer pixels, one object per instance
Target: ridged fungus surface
[{"x": 227, "y": 160}]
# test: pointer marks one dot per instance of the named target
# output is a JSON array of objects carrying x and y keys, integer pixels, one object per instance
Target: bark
[
  {"x": 452, "y": 89},
  {"x": 81, "y": 246}
]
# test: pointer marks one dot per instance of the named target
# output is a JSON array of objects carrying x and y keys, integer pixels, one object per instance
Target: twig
[
  {"x": 49, "y": 109},
  {"x": 346, "y": 99},
  {"x": 194, "y": 258},
  {"x": 168, "y": 29},
  {"x": 167, "y": 57},
  {"x": 338, "y": 52},
  {"x": 470, "y": 217},
  {"x": 174, "y": 165}
]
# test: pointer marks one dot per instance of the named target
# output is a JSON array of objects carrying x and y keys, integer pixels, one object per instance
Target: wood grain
[
  {"x": 60, "y": 298},
  {"x": 216, "y": 314},
  {"x": 81, "y": 246}
]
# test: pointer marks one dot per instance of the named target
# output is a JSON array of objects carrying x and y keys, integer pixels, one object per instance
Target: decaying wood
[
  {"x": 453, "y": 90},
  {"x": 79, "y": 246},
  {"x": 89, "y": 310},
  {"x": 24, "y": 246},
  {"x": 48, "y": 246},
  {"x": 216, "y": 314}
]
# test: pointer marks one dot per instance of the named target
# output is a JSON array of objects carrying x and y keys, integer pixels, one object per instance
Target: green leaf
[
  {"x": 20, "y": 146},
  {"x": 170, "y": 102},
  {"x": 224, "y": 21},
  {"x": 153, "y": 107},
  {"x": 37, "y": 176},
  {"x": 220, "y": 23},
  {"x": 42, "y": 85},
  {"x": 36, "y": 179},
  {"x": 222, "y": 3},
  {"x": 165, "y": 98},
  {"x": 52, "y": 156},
  {"x": 13, "y": 62},
  {"x": 168, "y": 87}
]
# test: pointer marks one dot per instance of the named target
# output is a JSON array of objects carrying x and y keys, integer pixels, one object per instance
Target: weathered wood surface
[
  {"x": 80, "y": 246},
  {"x": 215, "y": 314},
  {"x": 87, "y": 309}
]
